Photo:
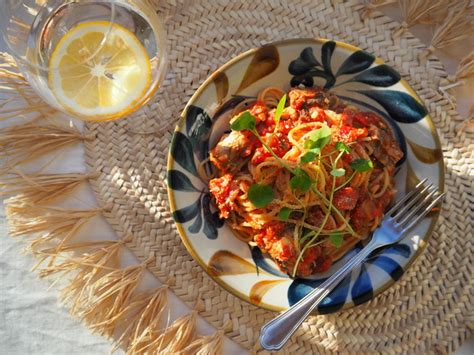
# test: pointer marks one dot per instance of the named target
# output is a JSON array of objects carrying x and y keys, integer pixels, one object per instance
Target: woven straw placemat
[{"x": 428, "y": 310}]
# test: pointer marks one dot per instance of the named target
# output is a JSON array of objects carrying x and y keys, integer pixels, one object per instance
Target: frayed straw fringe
[
  {"x": 10, "y": 76},
  {"x": 421, "y": 12},
  {"x": 206, "y": 345},
  {"x": 458, "y": 25},
  {"x": 466, "y": 67},
  {"x": 45, "y": 225},
  {"x": 6, "y": 114},
  {"x": 9, "y": 69},
  {"x": 108, "y": 298},
  {"x": 371, "y": 5},
  {"x": 95, "y": 255},
  {"x": 143, "y": 320},
  {"x": 465, "y": 71},
  {"x": 22, "y": 143},
  {"x": 39, "y": 188},
  {"x": 100, "y": 293},
  {"x": 91, "y": 267},
  {"x": 174, "y": 338}
]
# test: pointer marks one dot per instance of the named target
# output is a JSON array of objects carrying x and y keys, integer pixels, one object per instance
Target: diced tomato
[
  {"x": 279, "y": 145},
  {"x": 252, "y": 143},
  {"x": 347, "y": 117},
  {"x": 361, "y": 118},
  {"x": 345, "y": 199},
  {"x": 298, "y": 97},
  {"x": 349, "y": 134},
  {"x": 318, "y": 115},
  {"x": 289, "y": 113},
  {"x": 307, "y": 263},
  {"x": 259, "y": 110},
  {"x": 271, "y": 232},
  {"x": 267, "y": 126},
  {"x": 285, "y": 126},
  {"x": 377, "y": 212},
  {"x": 260, "y": 155},
  {"x": 283, "y": 250},
  {"x": 225, "y": 191},
  {"x": 368, "y": 118}
]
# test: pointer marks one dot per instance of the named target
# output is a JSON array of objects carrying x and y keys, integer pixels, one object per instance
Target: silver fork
[{"x": 405, "y": 214}]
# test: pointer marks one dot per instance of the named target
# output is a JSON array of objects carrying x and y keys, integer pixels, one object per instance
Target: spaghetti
[{"x": 304, "y": 182}]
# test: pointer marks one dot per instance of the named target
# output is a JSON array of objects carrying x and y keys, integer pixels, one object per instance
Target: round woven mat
[{"x": 429, "y": 309}]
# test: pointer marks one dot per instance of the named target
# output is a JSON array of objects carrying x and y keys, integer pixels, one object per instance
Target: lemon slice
[{"x": 99, "y": 70}]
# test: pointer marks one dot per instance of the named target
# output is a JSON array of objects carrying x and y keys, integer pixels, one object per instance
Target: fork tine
[
  {"x": 416, "y": 199},
  {"x": 424, "y": 213},
  {"x": 426, "y": 199},
  {"x": 406, "y": 197}
]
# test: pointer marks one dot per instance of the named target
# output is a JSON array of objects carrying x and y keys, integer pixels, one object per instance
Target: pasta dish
[{"x": 303, "y": 176}]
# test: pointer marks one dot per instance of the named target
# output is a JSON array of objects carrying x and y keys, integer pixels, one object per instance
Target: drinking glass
[{"x": 97, "y": 60}]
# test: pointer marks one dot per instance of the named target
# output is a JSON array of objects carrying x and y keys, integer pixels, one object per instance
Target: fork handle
[{"x": 276, "y": 333}]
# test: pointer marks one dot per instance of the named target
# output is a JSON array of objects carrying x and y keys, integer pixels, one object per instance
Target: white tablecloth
[{"x": 32, "y": 321}]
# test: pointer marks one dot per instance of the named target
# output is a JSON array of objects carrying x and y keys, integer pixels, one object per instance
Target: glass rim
[
  {"x": 158, "y": 32},
  {"x": 23, "y": 57}
]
